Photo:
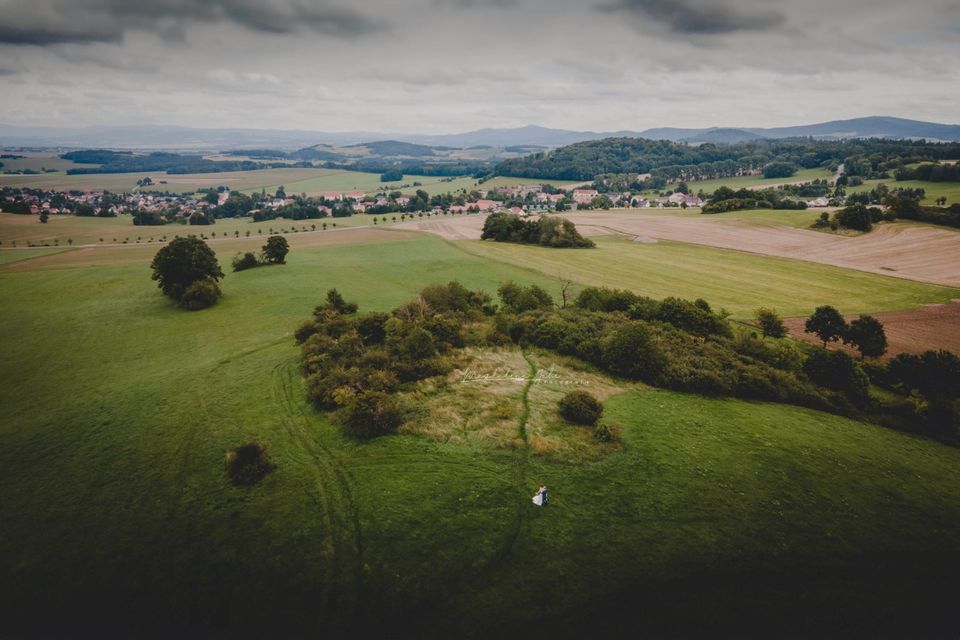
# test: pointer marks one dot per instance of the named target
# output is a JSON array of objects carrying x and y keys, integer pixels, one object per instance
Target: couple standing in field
[{"x": 540, "y": 497}]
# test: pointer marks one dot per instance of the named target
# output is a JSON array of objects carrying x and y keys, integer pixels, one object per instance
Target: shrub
[
  {"x": 856, "y": 217},
  {"x": 607, "y": 432},
  {"x": 838, "y": 371},
  {"x": 693, "y": 317},
  {"x": 248, "y": 464},
  {"x": 520, "y": 299},
  {"x": 371, "y": 328},
  {"x": 779, "y": 170},
  {"x": 630, "y": 351},
  {"x": 246, "y": 261},
  {"x": 603, "y": 299},
  {"x": 200, "y": 295},
  {"x": 579, "y": 407},
  {"x": 770, "y": 323},
  {"x": 371, "y": 414}
]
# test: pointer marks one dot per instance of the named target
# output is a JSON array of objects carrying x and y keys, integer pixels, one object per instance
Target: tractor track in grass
[{"x": 332, "y": 492}]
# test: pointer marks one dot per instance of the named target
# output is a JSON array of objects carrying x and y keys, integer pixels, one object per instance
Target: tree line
[{"x": 674, "y": 161}]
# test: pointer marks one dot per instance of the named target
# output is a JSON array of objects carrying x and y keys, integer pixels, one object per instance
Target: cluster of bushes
[
  {"x": 274, "y": 252},
  {"x": 355, "y": 363},
  {"x": 294, "y": 211},
  {"x": 672, "y": 343},
  {"x": 779, "y": 170},
  {"x": 949, "y": 217},
  {"x": 898, "y": 203},
  {"x": 693, "y": 317},
  {"x": 815, "y": 189},
  {"x": 856, "y": 216},
  {"x": 149, "y": 218},
  {"x": 930, "y": 173},
  {"x": 726, "y": 199},
  {"x": 546, "y": 232},
  {"x": 933, "y": 376}
]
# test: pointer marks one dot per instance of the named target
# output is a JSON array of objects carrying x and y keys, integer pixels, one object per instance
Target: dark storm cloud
[
  {"x": 41, "y": 23},
  {"x": 687, "y": 16}
]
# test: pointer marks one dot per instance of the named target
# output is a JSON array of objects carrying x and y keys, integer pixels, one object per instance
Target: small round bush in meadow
[
  {"x": 246, "y": 261},
  {"x": 579, "y": 407},
  {"x": 248, "y": 464},
  {"x": 607, "y": 432},
  {"x": 371, "y": 414},
  {"x": 200, "y": 295}
]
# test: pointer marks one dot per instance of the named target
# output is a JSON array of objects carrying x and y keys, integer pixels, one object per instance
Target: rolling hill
[{"x": 170, "y": 137}]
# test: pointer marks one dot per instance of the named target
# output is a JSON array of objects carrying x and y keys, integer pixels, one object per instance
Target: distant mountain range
[{"x": 186, "y": 138}]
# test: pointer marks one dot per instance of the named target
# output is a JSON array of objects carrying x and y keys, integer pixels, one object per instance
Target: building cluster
[
  {"x": 520, "y": 199},
  {"x": 36, "y": 201}
]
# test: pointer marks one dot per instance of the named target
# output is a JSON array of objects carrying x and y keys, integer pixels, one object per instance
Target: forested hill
[{"x": 670, "y": 160}]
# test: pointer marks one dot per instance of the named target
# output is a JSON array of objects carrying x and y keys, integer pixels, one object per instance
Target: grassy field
[
  {"x": 6, "y": 257},
  {"x": 760, "y": 217},
  {"x": 737, "y": 281},
  {"x": 933, "y": 190},
  {"x": 294, "y": 180},
  {"x": 370, "y": 183},
  {"x": 60, "y": 229},
  {"x": 38, "y": 161},
  {"x": 115, "y": 505},
  {"x": 501, "y": 181},
  {"x": 758, "y": 182}
]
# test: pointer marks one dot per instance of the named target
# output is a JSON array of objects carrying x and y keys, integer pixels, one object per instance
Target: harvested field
[
  {"x": 923, "y": 253},
  {"x": 934, "y": 326},
  {"x": 914, "y": 252}
]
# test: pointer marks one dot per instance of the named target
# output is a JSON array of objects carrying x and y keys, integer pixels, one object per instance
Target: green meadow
[
  {"x": 736, "y": 281},
  {"x": 294, "y": 180},
  {"x": 81, "y": 230},
  {"x": 933, "y": 190},
  {"x": 799, "y": 219},
  {"x": 758, "y": 182},
  {"x": 118, "y": 409}
]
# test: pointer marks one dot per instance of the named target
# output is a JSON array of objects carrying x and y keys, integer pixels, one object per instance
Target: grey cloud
[
  {"x": 691, "y": 17},
  {"x": 500, "y": 4},
  {"x": 47, "y": 22}
]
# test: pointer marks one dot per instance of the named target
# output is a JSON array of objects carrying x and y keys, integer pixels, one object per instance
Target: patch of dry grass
[{"x": 481, "y": 401}]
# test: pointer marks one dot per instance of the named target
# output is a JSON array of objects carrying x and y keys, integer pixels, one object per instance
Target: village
[{"x": 203, "y": 207}]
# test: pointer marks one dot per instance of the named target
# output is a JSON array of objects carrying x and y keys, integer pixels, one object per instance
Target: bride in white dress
[{"x": 540, "y": 497}]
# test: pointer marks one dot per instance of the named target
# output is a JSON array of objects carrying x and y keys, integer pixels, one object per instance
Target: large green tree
[
  {"x": 827, "y": 323},
  {"x": 276, "y": 250},
  {"x": 867, "y": 335},
  {"x": 183, "y": 262}
]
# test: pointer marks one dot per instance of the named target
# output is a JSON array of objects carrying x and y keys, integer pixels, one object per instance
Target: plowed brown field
[{"x": 935, "y": 326}]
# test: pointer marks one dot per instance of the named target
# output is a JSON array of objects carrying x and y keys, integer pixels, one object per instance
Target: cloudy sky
[{"x": 434, "y": 66}]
